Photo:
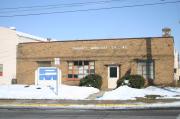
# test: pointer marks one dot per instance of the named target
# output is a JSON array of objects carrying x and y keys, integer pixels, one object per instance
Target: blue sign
[{"x": 48, "y": 73}]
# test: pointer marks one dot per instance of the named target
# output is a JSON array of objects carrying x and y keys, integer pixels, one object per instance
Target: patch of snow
[
  {"x": 76, "y": 92},
  {"x": 128, "y": 93},
  {"x": 44, "y": 92},
  {"x": 30, "y": 36}
]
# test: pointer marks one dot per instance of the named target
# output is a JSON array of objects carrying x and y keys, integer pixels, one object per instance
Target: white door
[{"x": 113, "y": 76}]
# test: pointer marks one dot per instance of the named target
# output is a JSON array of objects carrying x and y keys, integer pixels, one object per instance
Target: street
[{"x": 88, "y": 114}]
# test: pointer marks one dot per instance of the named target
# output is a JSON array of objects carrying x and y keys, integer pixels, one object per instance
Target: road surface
[{"x": 88, "y": 114}]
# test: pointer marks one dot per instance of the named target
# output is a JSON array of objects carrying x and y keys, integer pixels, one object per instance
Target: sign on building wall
[
  {"x": 57, "y": 61},
  {"x": 49, "y": 76}
]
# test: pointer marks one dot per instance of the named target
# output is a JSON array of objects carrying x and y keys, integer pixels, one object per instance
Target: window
[
  {"x": 175, "y": 70},
  {"x": 44, "y": 63},
  {"x": 146, "y": 69},
  {"x": 113, "y": 72},
  {"x": 1, "y": 69},
  {"x": 80, "y": 69}
]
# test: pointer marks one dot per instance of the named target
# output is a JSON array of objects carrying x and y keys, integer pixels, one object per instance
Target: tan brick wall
[
  {"x": 123, "y": 52},
  {"x": 26, "y": 72}
]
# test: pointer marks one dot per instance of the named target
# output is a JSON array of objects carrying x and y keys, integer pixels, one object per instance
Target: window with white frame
[
  {"x": 146, "y": 69},
  {"x": 80, "y": 69}
]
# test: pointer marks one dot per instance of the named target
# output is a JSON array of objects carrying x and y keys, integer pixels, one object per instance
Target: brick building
[{"x": 151, "y": 57}]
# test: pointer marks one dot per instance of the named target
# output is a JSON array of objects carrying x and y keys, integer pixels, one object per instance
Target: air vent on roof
[
  {"x": 166, "y": 32},
  {"x": 49, "y": 39}
]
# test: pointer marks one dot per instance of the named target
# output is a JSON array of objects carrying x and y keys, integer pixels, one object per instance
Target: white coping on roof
[{"x": 21, "y": 34}]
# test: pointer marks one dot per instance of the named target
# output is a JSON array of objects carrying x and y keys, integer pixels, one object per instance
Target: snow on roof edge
[{"x": 30, "y": 36}]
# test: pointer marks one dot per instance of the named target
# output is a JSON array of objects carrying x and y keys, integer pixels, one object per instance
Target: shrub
[
  {"x": 136, "y": 81},
  {"x": 92, "y": 80},
  {"x": 122, "y": 81},
  {"x": 119, "y": 82}
]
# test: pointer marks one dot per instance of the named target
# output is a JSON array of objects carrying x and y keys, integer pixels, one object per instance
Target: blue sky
[{"x": 146, "y": 21}]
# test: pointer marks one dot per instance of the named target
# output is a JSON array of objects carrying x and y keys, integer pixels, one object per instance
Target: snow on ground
[
  {"x": 128, "y": 93},
  {"x": 32, "y": 92},
  {"x": 79, "y": 93},
  {"x": 75, "y": 92}
]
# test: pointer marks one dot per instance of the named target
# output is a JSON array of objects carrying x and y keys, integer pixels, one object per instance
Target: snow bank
[
  {"x": 75, "y": 92},
  {"x": 79, "y": 93},
  {"x": 43, "y": 92},
  {"x": 128, "y": 93}
]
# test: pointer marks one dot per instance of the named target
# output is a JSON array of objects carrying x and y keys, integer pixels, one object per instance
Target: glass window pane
[
  {"x": 113, "y": 72},
  {"x": 92, "y": 71},
  {"x": 86, "y": 67},
  {"x": 69, "y": 71},
  {"x": 70, "y": 76},
  {"x": 76, "y": 63},
  {"x": 80, "y": 67},
  {"x": 76, "y": 71},
  {"x": 1, "y": 69},
  {"x": 152, "y": 76},
  {"x": 80, "y": 63},
  {"x": 140, "y": 72},
  {"x": 76, "y": 67},
  {"x": 144, "y": 76},
  {"x": 80, "y": 71},
  {"x": 91, "y": 63},
  {"x": 91, "y": 67},
  {"x": 146, "y": 69},
  {"x": 80, "y": 76},
  {"x": 75, "y": 75},
  {"x": 70, "y": 63},
  {"x": 86, "y": 71},
  {"x": 86, "y": 62},
  {"x": 70, "y": 67}
]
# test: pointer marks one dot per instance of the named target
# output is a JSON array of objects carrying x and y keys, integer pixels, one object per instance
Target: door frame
[{"x": 112, "y": 81}]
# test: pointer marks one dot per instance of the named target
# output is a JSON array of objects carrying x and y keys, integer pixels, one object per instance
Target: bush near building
[
  {"x": 134, "y": 81},
  {"x": 123, "y": 81},
  {"x": 92, "y": 80}
]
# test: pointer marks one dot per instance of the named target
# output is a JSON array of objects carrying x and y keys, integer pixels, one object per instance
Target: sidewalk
[{"x": 87, "y": 104}]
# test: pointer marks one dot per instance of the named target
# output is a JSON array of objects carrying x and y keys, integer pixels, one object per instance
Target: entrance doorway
[{"x": 113, "y": 76}]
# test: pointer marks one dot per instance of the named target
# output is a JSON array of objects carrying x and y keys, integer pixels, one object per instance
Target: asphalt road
[{"x": 88, "y": 114}]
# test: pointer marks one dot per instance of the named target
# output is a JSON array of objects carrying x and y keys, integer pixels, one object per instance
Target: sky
[{"x": 126, "y": 22}]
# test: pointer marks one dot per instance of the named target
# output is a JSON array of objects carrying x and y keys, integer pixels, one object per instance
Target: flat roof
[{"x": 77, "y": 40}]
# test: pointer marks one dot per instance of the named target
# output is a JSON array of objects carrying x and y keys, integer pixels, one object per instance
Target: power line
[
  {"x": 55, "y": 5},
  {"x": 93, "y": 9},
  {"x": 33, "y": 8}
]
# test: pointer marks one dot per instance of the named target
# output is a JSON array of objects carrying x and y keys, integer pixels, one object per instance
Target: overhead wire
[
  {"x": 48, "y": 7},
  {"x": 91, "y": 9},
  {"x": 60, "y": 5}
]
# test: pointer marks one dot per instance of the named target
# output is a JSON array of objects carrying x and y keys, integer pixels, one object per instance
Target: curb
[
  {"x": 111, "y": 106},
  {"x": 71, "y": 106}
]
